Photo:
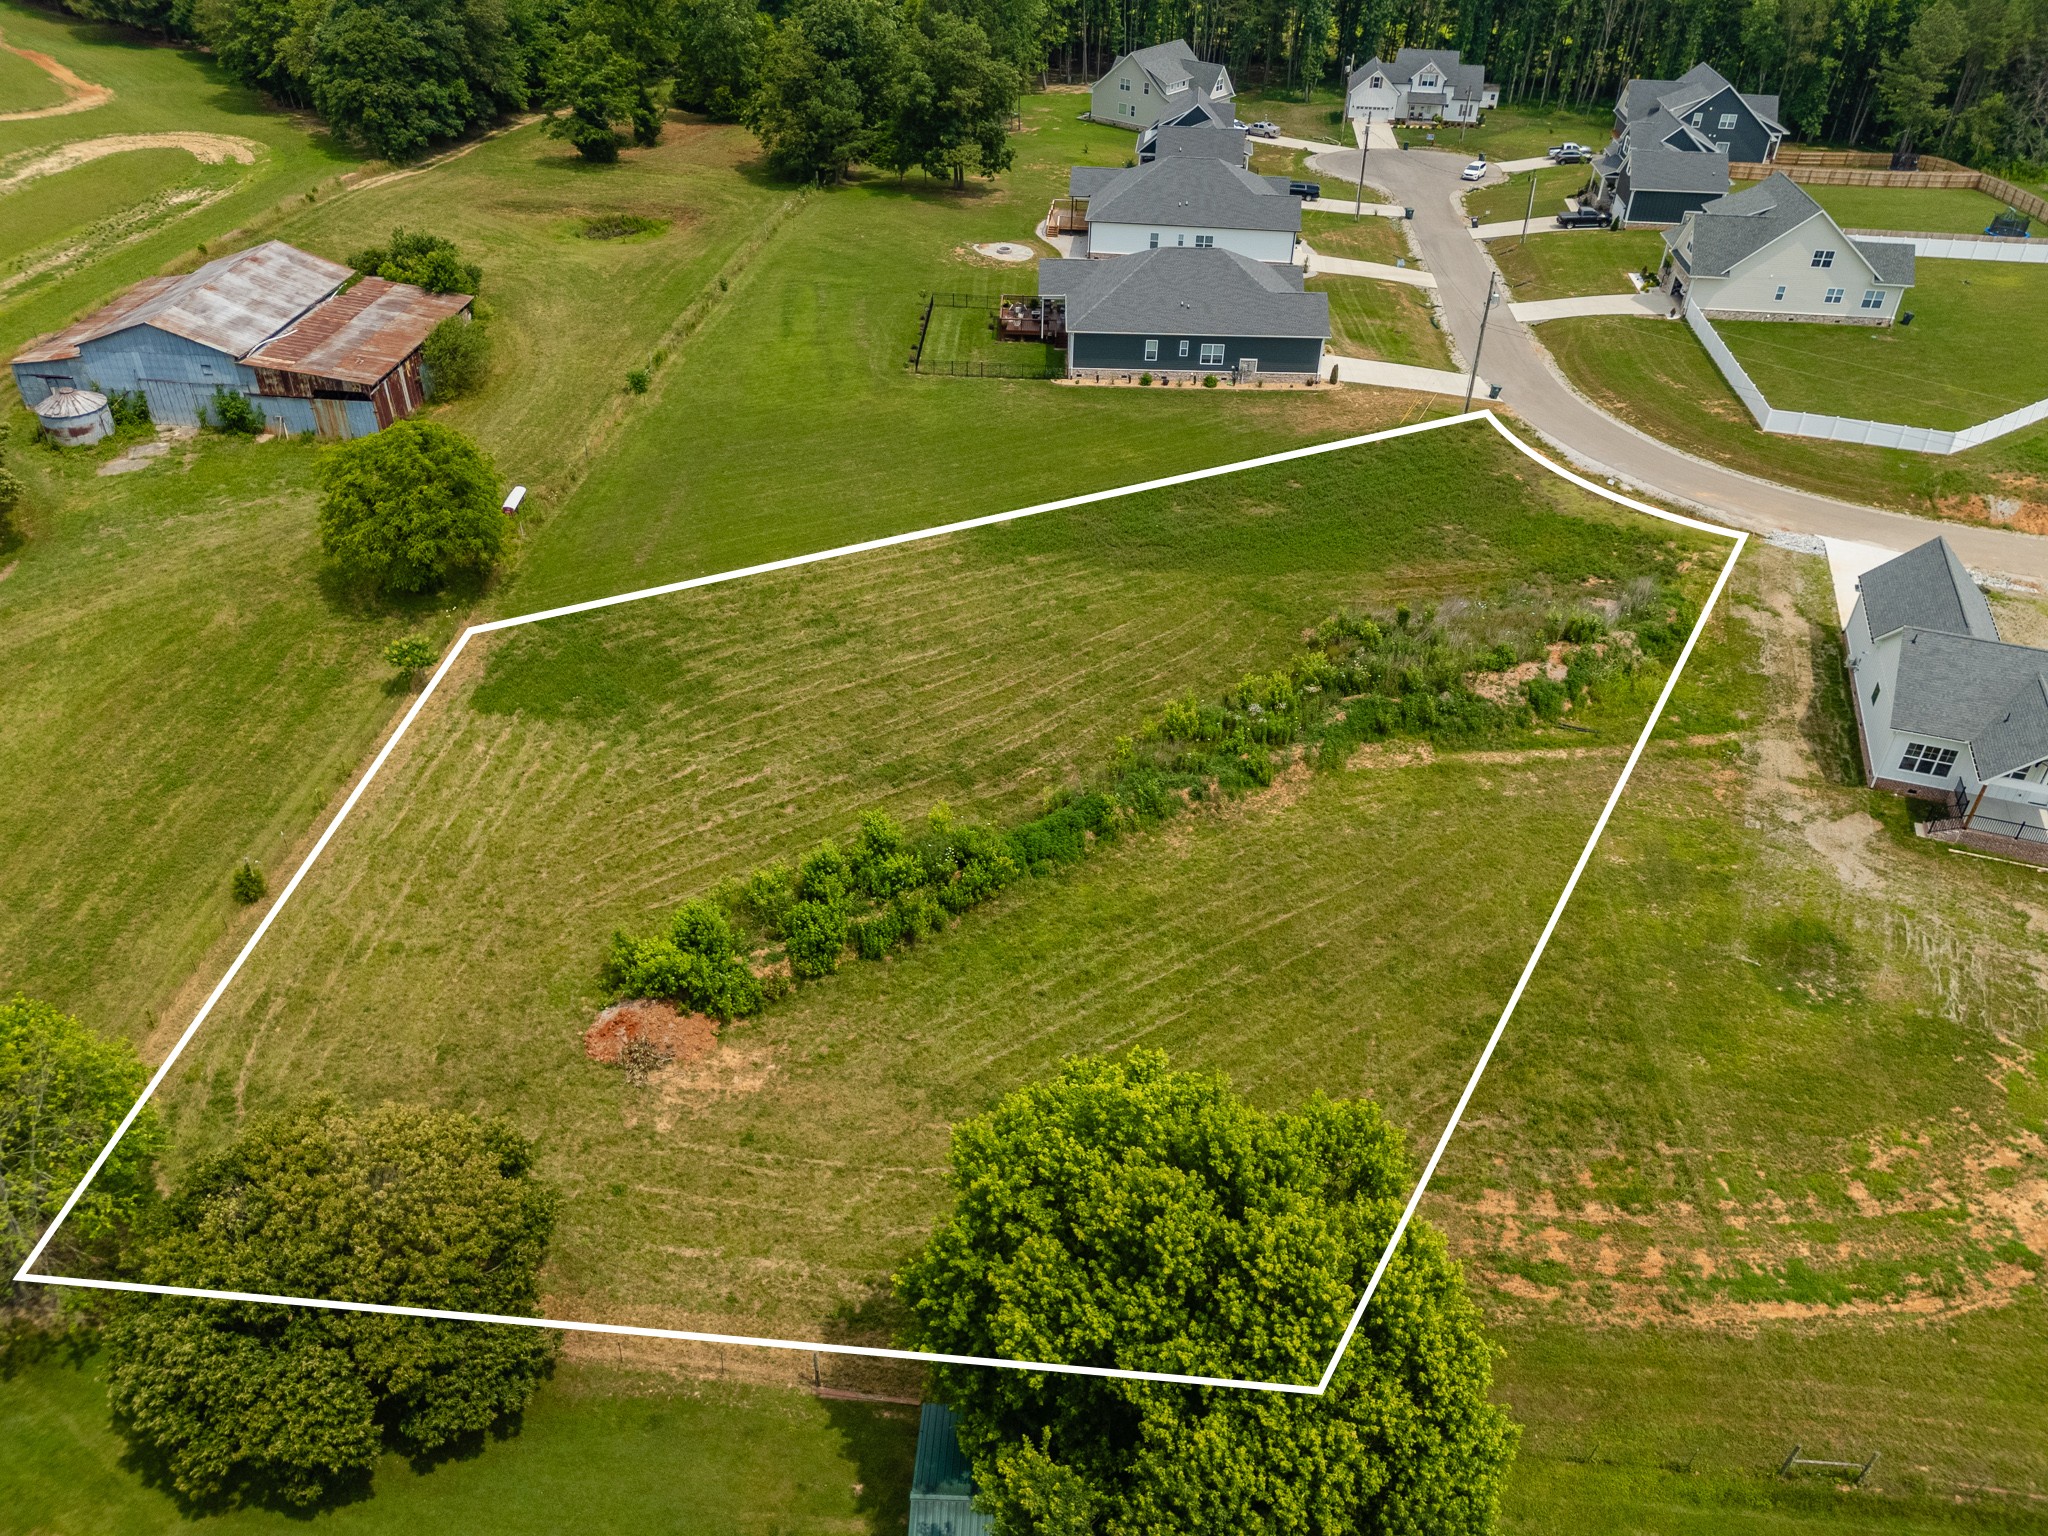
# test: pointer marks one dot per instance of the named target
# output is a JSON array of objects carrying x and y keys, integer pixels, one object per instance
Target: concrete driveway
[{"x": 1532, "y": 385}]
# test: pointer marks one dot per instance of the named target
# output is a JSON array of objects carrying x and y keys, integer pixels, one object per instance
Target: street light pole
[
  {"x": 1364, "y": 144},
  {"x": 1485, "y": 314}
]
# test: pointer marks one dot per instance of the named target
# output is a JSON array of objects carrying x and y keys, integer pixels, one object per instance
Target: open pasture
[
  {"x": 596, "y": 770},
  {"x": 1558, "y": 264}
]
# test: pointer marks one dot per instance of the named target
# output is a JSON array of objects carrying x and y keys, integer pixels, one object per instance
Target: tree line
[{"x": 909, "y": 83}]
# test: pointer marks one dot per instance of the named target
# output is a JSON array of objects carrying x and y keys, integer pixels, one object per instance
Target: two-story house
[
  {"x": 1945, "y": 710},
  {"x": 1160, "y": 83},
  {"x": 1673, "y": 142},
  {"x": 1420, "y": 85},
  {"x": 1770, "y": 252}
]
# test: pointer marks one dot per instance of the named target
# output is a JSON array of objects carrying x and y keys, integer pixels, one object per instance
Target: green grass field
[
  {"x": 25, "y": 86},
  {"x": 774, "y": 1186},
  {"x": 1390, "y": 321},
  {"x": 599, "y": 1448},
  {"x": 1936, "y": 372},
  {"x": 1660, "y": 378},
  {"x": 1361, "y": 237},
  {"x": 1510, "y": 199},
  {"x": 1565, "y": 264},
  {"x": 1929, "y": 210},
  {"x": 69, "y": 240},
  {"x": 1279, "y": 160},
  {"x": 1321, "y": 118},
  {"x": 1515, "y": 132}
]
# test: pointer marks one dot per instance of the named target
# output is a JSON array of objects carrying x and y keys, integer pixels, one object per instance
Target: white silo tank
[{"x": 75, "y": 417}]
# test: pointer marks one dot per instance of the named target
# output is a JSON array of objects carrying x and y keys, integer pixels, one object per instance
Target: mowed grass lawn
[
  {"x": 92, "y": 213},
  {"x": 1659, "y": 378},
  {"x": 1360, "y": 237},
  {"x": 1565, "y": 264},
  {"x": 1389, "y": 321},
  {"x": 1928, "y": 210},
  {"x": 1516, "y": 132},
  {"x": 25, "y": 86},
  {"x": 598, "y": 1448},
  {"x": 1280, "y": 160},
  {"x": 1960, "y": 362},
  {"x": 604, "y": 768},
  {"x": 1510, "y": 199}
]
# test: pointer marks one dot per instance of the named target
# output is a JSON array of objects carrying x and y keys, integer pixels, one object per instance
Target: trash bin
[
  {"x": 1407, "y": 213},
  {"x": 1493, "y": 391},
  {"x": 1475, "y": 221}
]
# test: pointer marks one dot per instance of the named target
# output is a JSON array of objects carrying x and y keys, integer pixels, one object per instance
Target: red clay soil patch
[{"x": 678, "y": 1036}]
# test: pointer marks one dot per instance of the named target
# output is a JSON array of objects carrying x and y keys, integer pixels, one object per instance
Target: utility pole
[
  {"x": 1473, "y": 382},
  {"x": 1528, "y": 211},
  {"x": 1364, "y": 144}
]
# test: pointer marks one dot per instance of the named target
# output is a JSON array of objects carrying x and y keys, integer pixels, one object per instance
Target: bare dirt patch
[
  {"x": 79, "y": 95},
  {"x": 679, "y": 1037},
  {"x": 1378, "y": 754},
  {"x": 208, "y": 148}
]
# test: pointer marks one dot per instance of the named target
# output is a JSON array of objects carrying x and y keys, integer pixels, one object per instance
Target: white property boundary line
[{"x": 27, "y": 1272}]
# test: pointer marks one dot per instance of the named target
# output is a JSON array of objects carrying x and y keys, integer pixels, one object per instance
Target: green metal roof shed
[{"x": 942, "y": 1487}]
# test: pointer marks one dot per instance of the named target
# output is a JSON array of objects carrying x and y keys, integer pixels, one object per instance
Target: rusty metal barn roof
[
  {"x": 232, "y": 304},
  {"x": 360, "y": 335}
]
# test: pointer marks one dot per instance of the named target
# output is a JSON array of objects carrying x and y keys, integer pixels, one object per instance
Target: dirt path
[
  {"x": 79, "y": 95},
  {"x": 209, "y": 148}
]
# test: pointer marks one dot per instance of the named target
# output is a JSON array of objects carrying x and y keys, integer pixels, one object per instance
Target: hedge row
[{"x": 1356, "y": 678}]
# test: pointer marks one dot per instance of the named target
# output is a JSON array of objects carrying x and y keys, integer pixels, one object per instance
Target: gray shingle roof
[
  {"x": 1205, "y": 143},
  {"x": 1926, "y": 588},
  {"x": 1765, "y": 107},
  {"x": 1739, "y": 225},
  {"x": 1466, "y": 79},
  {"x": 1182, "y": 291},
  {"x": 1191, "y": 192},
  {"x": 1891, "y": 260},
  {"x": 1655, "y": 168},
  {"x": 1987, "y": 693},
  {"x": 1087, "y": 180}
]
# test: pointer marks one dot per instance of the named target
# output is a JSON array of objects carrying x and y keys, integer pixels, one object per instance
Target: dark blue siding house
[
  {"x": 1187, "y": 311},
  {"x": 942, "y": 1485}
]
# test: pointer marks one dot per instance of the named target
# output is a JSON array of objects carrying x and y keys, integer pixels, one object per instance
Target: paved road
[{"x": 1532, "y": 385}]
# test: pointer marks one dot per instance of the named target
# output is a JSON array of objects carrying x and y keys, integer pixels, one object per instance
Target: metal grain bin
[{"x": 75, "y": 417}]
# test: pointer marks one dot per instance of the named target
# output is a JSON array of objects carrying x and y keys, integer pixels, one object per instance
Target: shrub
[
  {"x": 233, "y": 411},
  {"x": 1500, "y": 658},
  {"x": 128, "y": 407},
  {"x": 456, "y": 355},
  {"x": 1579, "y": 627},
  {"x": 1545, "y": 697},
  {"x": 637, "y": 380},
  {"x": 825, "y": 876},
  {"x": 410, "y": 654},
  {"x": 1144, "y": 378},
  {"x": 1208, "y": 381},
  {"x": 426, "y": 261},
  {"x": 247, "y": 884},
  {"x": 405, "y": 509},
  {"x": 696, "y": 965},
  {"x": 815, "y": 933},
  {"x": 769, "y": 893}
]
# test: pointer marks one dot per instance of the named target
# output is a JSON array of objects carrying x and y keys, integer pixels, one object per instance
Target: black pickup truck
[{"x": 1581, "y": 218}]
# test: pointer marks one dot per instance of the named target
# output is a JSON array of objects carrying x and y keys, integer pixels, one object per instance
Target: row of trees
[{"x": 831, "y": 82}]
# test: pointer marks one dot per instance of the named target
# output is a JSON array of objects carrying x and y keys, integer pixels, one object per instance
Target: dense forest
[{"x": 926, "y": 82}]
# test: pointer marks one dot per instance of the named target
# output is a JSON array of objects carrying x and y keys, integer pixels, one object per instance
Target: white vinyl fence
[
  {"x": 1959, "y": 247},
  {"x": 1849, "y": 429}
]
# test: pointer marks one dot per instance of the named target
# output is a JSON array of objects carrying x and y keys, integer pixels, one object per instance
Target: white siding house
[
  {"x": 1192, "y": 202},
  {"x": 1426, "y": 84},
  {"x": 1770, "y": 252}
]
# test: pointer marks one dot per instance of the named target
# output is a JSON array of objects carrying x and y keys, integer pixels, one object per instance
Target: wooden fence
[{"x": 1860, "y": 168}]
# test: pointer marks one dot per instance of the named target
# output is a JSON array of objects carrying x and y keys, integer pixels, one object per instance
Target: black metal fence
[{"x": 972, "y": 368}]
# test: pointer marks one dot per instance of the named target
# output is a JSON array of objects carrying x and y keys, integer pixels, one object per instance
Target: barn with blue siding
[{"x": 271, "y": 323}]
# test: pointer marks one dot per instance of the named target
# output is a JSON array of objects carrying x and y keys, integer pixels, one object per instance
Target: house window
[
  {"x": 1727, "y": 119},
  {"x": 207, "y": 369},
  {"x": 1779, "y": 296},
  {"x": 1875, "y": 690},
  {"x": 1152, "y": 350},
  {"x": 1183, "y": 349},
  {"x": 1205, "y": 241},
  {"x": 1930, "y": 762},
  {"x": 1823, "y": 258},
  {"x": 1212, "y": 354},
  {"x": 1833, "y": 296},
  {"x": 1873, "y": 298},
  {"x": 1123, "y": 85},
  {"x": 1155, "y": 240},
  {"x": 1698, "y": 118},
  {"x": 1180, "y": 239}
]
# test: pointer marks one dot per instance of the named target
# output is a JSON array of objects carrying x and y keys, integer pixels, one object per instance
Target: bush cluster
[
  {"x": 233, "y": 411},
  {"x": 698, "y": 964},
  {"x": 426, "y": 261}
]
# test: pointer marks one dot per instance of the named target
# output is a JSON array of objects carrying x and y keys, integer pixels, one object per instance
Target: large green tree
[
  {"x": 396, "y": 75},
  {"x": 719, "y": 63},
  {"x": 408, "y": 508},
  {"x": 62, "y": 1092},
  {"x": 1126, "y": 1215},
  {"x": 1913, "y": 87},
  {"x": 403, "y": 1206},
  {"x": 953, "y": 102},
  {"x": 829, "y": 76}
]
